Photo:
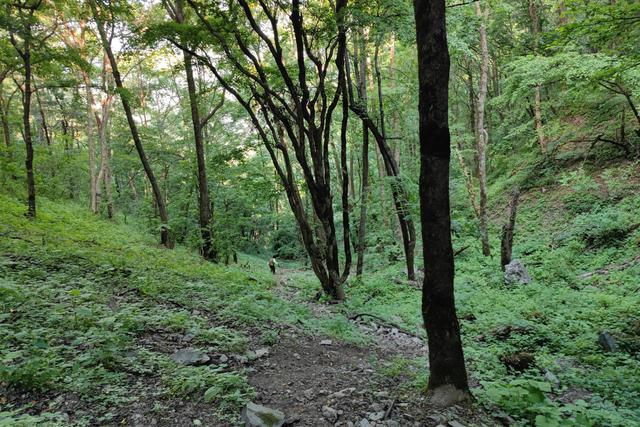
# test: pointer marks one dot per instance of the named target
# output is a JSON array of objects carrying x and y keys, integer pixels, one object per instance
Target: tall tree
[
  {"x": 293, "y": 99},
  {"x": 482, "y": 135},
  {"x": 537, "y": 100},
  {"x": 447, "y": 373},
  {"x": 398, "y": 191},
  {"x": 77, "y": 39},
  {"x": 360, "y": 67},
  {"x": 23, "y": 39},
  {"x": 124, "y": 98},
  {"x": 209, "y": 252}
]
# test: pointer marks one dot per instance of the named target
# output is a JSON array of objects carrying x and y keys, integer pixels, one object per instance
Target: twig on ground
[
  {"x": 389, "y": 409},
  {"x": 385, "y": 323}
]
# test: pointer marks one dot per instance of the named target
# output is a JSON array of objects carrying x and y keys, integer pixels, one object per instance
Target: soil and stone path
[{"x": 315, "y": 381}]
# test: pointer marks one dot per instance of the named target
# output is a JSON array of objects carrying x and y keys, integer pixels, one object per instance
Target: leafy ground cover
[
  {"x": 92, "y": 312},
  {"x": 580, "y": 240}
]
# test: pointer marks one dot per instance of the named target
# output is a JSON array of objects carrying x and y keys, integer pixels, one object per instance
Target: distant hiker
[{"x": 272, "y": 265}]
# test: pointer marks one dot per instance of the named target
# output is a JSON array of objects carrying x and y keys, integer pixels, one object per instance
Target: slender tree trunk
[
  {"x": 31, "y": 183},
  {"x": 209, "y": 251},
  {"x": 4, "y": 117},
  {"x": 448, "y": 377},
  {"x": 93, "y": 180},
  {"x": 43, "y": 117},
  {"x": 506, "y": 247},
  {"x": 25, "y": 55},
  {"x": 162, "y": 208},
  {"x": 104, "y": 174},
  {"x": 398, "y": 191},
  {"x": 481, "y": 132},
  {"x": 364, "y": 191},
  {"x": 26, "y": 119},
  {"x": 537, "y": 103}
]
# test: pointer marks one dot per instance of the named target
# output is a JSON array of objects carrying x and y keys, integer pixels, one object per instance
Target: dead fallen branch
[
  {"x": 386, "y": 324},
  {"x": 611, "y": 267}
]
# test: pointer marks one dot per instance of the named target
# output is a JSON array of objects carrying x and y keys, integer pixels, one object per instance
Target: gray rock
[
  {"x": 342, "y": 393},
  {"x": 375, "y": 416},
  {"x": 551, "y": 377},
  {"x": 516, "y": 274},
  {"x": 393, "y": 423},
  {"x": 223, "y": 358},
  {"x": 254, "y": 415},
  {"x": 190, "y": 356},
  {"x": 330, "y": 414},
  {"x": 261, "y": 352},
  {"x": 363, "y": 423},
  {"x": 326, "y": 342},
  {"x": 455, "y": 424},
  {"x": 607, "y": 342}
]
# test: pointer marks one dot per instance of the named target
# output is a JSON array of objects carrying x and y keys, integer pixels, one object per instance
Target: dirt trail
[{"x": 316, "y": 381}]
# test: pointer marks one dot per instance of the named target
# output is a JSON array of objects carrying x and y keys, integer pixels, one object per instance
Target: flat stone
[
  {"x": 375, "y": 416},
  {"x": 190, "y": 357},
  {"x": 342, "y": 393},
  {"x": 255, "y": 415},
  {"x": 455, "y": 424},
  {"x": 326, "y": 342},
  {"x": 330, "y": 414}
]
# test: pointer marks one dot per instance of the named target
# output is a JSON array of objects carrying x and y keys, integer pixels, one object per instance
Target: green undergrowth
[
  {"x": 91, "y": 310},
  {"x": 557, "y": 318}
]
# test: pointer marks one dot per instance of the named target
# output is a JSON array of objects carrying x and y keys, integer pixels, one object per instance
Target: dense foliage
[{"x": 560, "y": 122}]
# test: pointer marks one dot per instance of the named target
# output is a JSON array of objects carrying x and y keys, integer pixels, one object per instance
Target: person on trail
[{"x": 272, "y": 264}]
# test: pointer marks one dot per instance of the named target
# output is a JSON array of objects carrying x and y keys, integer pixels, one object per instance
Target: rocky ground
[{"x": 311, "y": 381}]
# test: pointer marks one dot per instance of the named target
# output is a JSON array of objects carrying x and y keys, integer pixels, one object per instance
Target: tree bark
[
  {"x": 104, "y": 174},
  {"x": 91, "y": 144},
  {"x": 481, "y": 133},
  {"x": 448, "y": 377},
  {"x": 157, "y": 194},
  {"x": 506, "y": 245},
  {"x": 537, "y": 103},
  {"x": 25, "y": 55},
  {"x": 361, "y": 79},
  {"x": 4, "y": 117},
  {"x": 398, "y": 191},
  {"x": 209, "y": 251}
]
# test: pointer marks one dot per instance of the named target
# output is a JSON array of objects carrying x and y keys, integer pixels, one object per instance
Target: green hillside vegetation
[
  {"x": 320, "y": 213},
  {"x": 92, "y": 309}
]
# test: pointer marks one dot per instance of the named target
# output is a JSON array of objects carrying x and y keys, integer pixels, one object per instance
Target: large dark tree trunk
[
  {"x": 447, "y": 373},
  {"x": 157, "y": 194}
]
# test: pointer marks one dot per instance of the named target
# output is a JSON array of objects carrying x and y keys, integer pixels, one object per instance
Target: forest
[{"x": 356, "y": 213}]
